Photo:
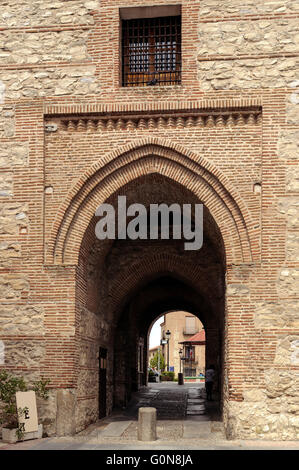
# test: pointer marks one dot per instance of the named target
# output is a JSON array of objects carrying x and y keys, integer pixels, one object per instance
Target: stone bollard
[{"x": 147, "y": 419}]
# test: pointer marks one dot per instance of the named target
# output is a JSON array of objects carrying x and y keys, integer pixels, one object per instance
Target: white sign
[
  {"x": 29, "y": 417},
  {"x": 2, "y": 348}
]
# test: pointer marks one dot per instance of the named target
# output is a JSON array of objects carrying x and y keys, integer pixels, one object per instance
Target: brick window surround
[{"x": 151, "y": 47}]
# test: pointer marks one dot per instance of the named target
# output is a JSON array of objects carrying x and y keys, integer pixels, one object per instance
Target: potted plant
[
  {"x": 167, "y": 376},
  {"x": 12, "y": 430}
]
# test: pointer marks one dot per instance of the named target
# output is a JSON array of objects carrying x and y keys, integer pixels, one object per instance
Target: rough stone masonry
[{"x": 227, "y": 137}]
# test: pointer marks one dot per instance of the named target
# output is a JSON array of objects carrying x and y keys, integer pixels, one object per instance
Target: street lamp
[
  {"x": 167, "y": 335},
  {"x": 180, "y": 375}
]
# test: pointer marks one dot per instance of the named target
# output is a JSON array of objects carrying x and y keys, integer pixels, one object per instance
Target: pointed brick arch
[
  {"x": 147, "y": 156},
  {"x": 151, "y": 267}
]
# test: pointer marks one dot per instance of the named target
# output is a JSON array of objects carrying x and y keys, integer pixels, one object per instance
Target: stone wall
[
  {"x": 15, "y": 154},
  {"x": 59, "y": 61},
  {"x": 50, "y": 81},
  {"x": 278, "y": 314},
  {"x": 7, "y": 121},
  {"x": 268, "y": 413},
  {"x": 6, "y": 184},
  {"x": 94, "y": 332},
  {"x": 43, "y": 13},
  {"x": 252, "y": 73},
  {"x": 12, "y": 287},
  {"x": 36, "y": 48},
  {"x": 244, "y": 37},
  {"x": 244, "y": 54},
  {"x": 21, "y": 320},
  {"x": 239, "y": 8},
  {"x": 13, "y": 216}
]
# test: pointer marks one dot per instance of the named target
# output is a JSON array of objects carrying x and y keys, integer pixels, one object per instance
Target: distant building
[
  {"x": 194, "y": 354},
  {"x": 152, "y": 352},
  {"x": 187, "y": 333}
]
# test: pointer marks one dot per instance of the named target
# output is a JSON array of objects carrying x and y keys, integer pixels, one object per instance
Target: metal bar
[{"x": 151, "y": 49}]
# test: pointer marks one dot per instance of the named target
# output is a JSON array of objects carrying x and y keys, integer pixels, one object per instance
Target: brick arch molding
[
  {"x": 139, "y": 158},
  {"x": 141, "y": 272}
]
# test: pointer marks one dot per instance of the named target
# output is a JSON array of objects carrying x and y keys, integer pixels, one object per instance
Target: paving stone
[
  {"x": 115, "y": 429},
  {"x": 193, "y": 429}
]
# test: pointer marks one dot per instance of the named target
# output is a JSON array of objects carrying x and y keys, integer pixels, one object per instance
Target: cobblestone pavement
[
  {"x": 186, "y": 421},
  {"x": 175, "y": 402},
  {"x": 170, "y": 403}
]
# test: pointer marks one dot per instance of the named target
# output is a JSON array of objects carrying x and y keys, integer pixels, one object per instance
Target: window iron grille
[
  {"x": 188, "y": 372},
  {"x": 151, "y": 51}
]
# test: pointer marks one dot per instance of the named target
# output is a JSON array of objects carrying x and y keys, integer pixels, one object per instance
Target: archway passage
[{"x": 123, "y": 285}]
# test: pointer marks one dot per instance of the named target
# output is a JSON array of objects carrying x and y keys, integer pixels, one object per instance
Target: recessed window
[
  {"x": 190, "y": 326},
  {"x": 151, "y": 51}
]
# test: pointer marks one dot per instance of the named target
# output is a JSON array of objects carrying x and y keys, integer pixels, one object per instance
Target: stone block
[
  {"x": 287, "y": 351},
  {"x": 7, "y": 121},
  {"x": 292, "y": 108},
  {"x": 280, "y": 314},
  {"x": 254, "y": 421},
  {"x": 88, "y": 354},
  {"x": 9, "y": 250},
  {"x": 237, "y": 289},
  {"x": 115, "y": 429},
  {"x": 288, "y": 280},
  {"x": 147, "y": 424},
  {"x": 292, "y": 176},
  {"x": 253, "y": 395},
  {"x": 14, "y": 154},
  {"x": 13, "y": 216},
  {"x": 66, "y": 407},
  {"x": 288, "y": 145},
  {"x": 21, "y": 320},
  {"x": 47, "y": 412},
  {"x": 290, "y": 207},
  {"x": 292, "y": 246},
  {"x": 49, "y": 81},
  {"x": 45, "y": 12},
  {"x": 6, "y": 184},
  {"x": 38, "y": 47},
  {"x": 280, "y": 383},
  {"x": 28, "y": 353},
  {"x": 248, "y": 74},
  {"x": 88, "y": 382},
  {"x": 250, "y": 7},
  {"x": 87, "y": 412},
  {"x": 12, "y": 286},
  {"x": 245, "y": 37},
  {"x": 196, "y": 429},
  {"x": 9, "y": 435}
]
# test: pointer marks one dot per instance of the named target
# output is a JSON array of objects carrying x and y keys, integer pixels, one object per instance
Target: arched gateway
[
  {"x": 121, "y": 286},
  {"x": 153, "y": 156},
  {"x": 212, "y": 122}
]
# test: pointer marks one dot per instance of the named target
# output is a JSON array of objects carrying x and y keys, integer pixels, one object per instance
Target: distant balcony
[{"x": 194, "y": 361}]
